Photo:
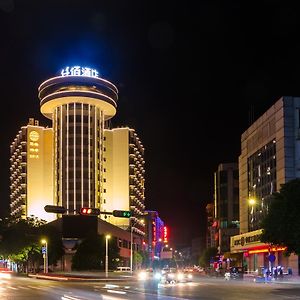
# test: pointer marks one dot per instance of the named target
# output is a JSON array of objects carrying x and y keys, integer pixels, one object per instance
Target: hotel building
[
  {"x": 79, "y": 103},
  {"x": 123, "y": 177},
  {"x": 269, "y": 157},
  {"x": 80, "y": 161},
  {"x": 31, "y": 172}
]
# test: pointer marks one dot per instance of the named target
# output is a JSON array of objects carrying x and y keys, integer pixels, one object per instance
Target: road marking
[
  {"x": 116, "y": 292},
  {"x": 12, "y": 288}
]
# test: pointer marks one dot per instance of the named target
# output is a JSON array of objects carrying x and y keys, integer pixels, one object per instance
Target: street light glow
[{"x": 252, "y": 201}]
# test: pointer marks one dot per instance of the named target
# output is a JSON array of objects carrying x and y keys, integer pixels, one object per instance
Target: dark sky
[{"x": 188, "y": 75}]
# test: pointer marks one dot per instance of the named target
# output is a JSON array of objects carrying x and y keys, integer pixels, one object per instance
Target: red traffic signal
[{"x": 90, "y": 211}]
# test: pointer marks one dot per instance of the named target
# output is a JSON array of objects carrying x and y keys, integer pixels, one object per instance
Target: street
[{"x": 202, "y": 288}]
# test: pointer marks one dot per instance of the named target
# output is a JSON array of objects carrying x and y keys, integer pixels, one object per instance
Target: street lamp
[
  {"x": 45, "y": 255},
  {"x": 107, "y": 237},
  {"x": 131, "y": 242},
  {"x": 252, "y": 201}
]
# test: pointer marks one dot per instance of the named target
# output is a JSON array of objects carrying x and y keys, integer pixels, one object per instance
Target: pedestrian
[
  {"x": 275, "y": 273},
  {"x": 280, "y": 274}
]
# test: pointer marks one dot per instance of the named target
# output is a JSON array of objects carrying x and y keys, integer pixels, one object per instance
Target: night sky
[{"x": 190, "y": 79}]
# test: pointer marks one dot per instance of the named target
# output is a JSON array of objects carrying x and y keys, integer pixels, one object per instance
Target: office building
[
  {"x": 226, "y": 203},
  {"x": 156, "y": 234},
  {"x": 269, "y": 157},
  {"x": 211, "y": 235}
]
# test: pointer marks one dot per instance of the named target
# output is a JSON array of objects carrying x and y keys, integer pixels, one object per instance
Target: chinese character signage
[
  {"x": 79, "y": 71},
  {"x": 166, "y": 234}
]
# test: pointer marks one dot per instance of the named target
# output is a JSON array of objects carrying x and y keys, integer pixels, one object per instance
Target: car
[
  {"x": 234, "y": 273},
  {"x": 123, "y": 269},
  {"x": 184, "y": 276},
  {"x": 149, "y": 278},
  {"x": 169, "y": 275},
  {"x": 174, "y": 275}
]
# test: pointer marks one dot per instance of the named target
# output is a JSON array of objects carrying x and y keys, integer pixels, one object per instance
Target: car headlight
[
  {"x": 190, "y": 276},
  {"x": 180, "y": 276},
  {"x": 142, "y": 275},
  {"x": 157, "y": 276}
]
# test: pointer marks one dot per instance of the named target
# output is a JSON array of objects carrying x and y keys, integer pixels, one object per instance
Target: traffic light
[
  {"x": 55, "y": 209},
  {"x": 89, "y": 211},
  {"x": 122, "y": 213}
]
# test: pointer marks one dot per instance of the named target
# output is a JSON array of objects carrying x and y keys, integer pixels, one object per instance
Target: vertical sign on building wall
[
  {"x": 153, "y": 231},
  {"x": 166, "y": 234},
  {"x": 33, "y": 144}
]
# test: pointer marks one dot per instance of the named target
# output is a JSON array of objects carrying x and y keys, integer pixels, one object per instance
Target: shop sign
[{"x": 246, "y": 240}]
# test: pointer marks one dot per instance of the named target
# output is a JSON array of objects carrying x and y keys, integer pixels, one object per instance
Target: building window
[{"x": 261, "y": 182}]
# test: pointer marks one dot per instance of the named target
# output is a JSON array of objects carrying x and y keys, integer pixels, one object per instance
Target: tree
[
  {"x": 90, "y": 254},
  {"x": 281, "y": 226},
  {"x": 138, "y": 259},
  {"x": 207, "y": 255},
  {"x": 21, "y": 242}
]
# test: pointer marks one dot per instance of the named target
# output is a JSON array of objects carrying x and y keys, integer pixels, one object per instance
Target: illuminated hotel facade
[
  {"x": 80, "y": 161},
  {"x": 123, "y": 177},
  {"x": 79, "y": 103},
  {"x": 269, "y": 157},
  {"x": 31, "y": 174}
]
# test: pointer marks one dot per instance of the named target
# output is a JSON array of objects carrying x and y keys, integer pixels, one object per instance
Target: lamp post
[
  {"x": 131, "y": 239},
  {"x": 45, "y": 256},
  {"x": 107, "y": 237},
  {"x": 131, "y": 242}
]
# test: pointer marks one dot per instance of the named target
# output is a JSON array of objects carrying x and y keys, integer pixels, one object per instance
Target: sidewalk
[{"x": 290, "y": 279}]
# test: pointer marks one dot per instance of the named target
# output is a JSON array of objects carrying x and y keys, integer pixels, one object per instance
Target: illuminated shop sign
[
  {"x": 265, "y": 250},
  {"x": 166, "y": 234},
  {"x": 79, "y": 71},
  {"x": 246, "y": 240}
]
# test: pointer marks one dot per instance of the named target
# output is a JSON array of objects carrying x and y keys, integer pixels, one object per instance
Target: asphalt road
[{"x": 203, "y": 288}]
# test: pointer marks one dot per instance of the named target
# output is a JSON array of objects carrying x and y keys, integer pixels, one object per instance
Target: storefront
[{"x": 257, "y": 255}]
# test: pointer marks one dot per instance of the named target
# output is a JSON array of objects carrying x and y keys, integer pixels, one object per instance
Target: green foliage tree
[
  {"x": 137, "y": 259},
  {"x": 281, "y": 226},
  {"x": 20, "y": 242},
  {"x": 90, "y": 254},
  {"x": 145, "y": 262},
  {"x": 204, "y": 260}
]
